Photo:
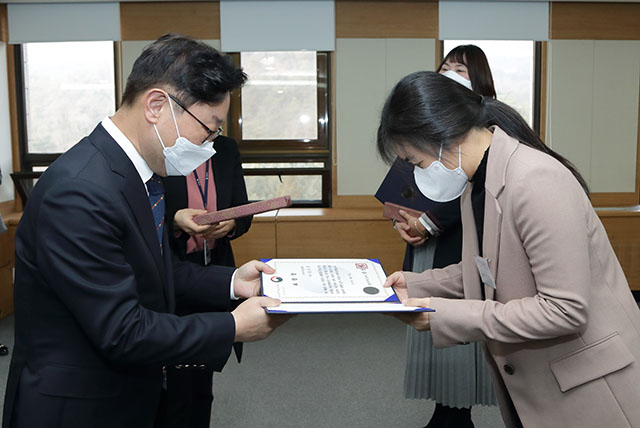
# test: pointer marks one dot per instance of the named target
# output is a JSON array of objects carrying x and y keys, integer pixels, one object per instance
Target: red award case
[{"x": 243, "y": 210}]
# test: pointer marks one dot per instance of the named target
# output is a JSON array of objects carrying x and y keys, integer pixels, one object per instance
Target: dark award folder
[{"x": 399, "y": 187}]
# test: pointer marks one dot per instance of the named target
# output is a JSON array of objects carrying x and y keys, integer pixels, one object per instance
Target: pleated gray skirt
[{"x": 456, "y": 376}]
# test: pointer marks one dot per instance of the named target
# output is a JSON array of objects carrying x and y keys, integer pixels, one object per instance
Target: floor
[{"x": 316, "y": 371}]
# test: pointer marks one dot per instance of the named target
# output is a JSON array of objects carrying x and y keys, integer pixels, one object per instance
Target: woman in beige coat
[{"x": 539, "y": 284}]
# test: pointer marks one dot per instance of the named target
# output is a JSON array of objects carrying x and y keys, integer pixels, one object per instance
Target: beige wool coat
[{"x": 561, "y": 328}]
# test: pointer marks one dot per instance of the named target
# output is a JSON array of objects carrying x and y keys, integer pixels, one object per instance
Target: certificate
[{"x": 330, "y": 285}]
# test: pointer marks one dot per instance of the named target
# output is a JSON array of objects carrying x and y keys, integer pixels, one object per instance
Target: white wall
[
  {"x": 6, "y": 189},
  {"x": 63, "y": 22},
  {"x": 592, "y": 115},
  {"x": 366, "y": 70}
]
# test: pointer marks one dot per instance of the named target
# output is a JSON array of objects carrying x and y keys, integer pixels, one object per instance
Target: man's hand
[
  {"x": 420, "y": 320},
  {"x": 220, "y": 230},
  {"x": 246, "y": 282},
  {"x": 252, "y": 321},
  {"x": 397, "y": 281},
  {"x": 183, "y": 220}
]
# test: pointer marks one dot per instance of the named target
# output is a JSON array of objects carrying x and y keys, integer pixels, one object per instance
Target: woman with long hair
[
  {"x": 539, "y": 285},
  {"x": 456, "y": 378}
]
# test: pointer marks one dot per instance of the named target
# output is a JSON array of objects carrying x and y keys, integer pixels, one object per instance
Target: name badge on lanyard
[
  {"x": 205, "y": 195},
  {"x": 485, "y": 273},
  {"x": 207, "y": 254}
]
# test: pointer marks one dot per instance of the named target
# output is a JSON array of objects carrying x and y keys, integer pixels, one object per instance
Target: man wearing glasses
[{"x": 96, "y": 284}]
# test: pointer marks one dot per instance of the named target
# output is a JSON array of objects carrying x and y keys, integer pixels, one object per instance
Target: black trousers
[{"x": 187, "y": 401}]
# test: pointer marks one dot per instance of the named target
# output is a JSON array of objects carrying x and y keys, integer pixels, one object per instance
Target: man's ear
[{"x": 154, "y": 100}]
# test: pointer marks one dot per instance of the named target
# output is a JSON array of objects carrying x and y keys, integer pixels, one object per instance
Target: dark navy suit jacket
[{"x": 94, "y": 297}]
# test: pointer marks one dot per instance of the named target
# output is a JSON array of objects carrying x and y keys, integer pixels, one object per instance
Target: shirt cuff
[
  {"x": 231, "y": 293},
  {"x": 428, "y": 226}
]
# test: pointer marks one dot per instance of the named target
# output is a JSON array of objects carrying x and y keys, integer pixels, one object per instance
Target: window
[
  {"x": 64, "y": 90},
  {"x": 515, "y": 69},
  {"x": 280, "y": 120}
]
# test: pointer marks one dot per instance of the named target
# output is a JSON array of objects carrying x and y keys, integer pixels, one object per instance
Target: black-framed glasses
[{"x": 212, "y": 135}]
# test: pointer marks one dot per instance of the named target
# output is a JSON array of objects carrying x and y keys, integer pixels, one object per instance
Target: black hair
[
  {"x": 426, "y": 110},
  {"x": 194, "y": 70},
  {"x": 477, "y": 66}
]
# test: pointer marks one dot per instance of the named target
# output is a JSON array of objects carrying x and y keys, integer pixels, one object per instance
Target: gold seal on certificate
[{"x": 330, "y": 285}]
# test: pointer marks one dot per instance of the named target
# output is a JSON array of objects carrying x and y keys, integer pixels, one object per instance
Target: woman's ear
[{"x": 154, "y": 101}]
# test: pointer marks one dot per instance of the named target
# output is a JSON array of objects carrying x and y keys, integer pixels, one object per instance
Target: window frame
[
  {"x": 28, "y": 161},
  {"x": 292, "y": 150}
]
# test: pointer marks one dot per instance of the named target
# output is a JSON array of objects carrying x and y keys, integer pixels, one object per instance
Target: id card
[
  {"x": 207, "y": 254},
  {"x": 485, "y": 272}
]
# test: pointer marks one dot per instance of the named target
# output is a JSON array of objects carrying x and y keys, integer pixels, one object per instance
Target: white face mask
[
  {"x": 439, "y": 183},
  {"x": 458, "y": 78},
  {"x": 184, "y": 157}
]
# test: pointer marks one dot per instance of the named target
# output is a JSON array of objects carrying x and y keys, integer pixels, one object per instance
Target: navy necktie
[{"x": 156, "y": 199}]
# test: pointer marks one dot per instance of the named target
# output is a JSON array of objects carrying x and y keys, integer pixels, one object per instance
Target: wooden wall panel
[
  {"x": 595, "y": 21},
  {"x": 258, "y": 243},
  {"x": 6, "y": 270},
  {"x": 354, "y": 201},
  {"x": 148, "y": 21},
  {"x": 344, "y": 239},
  {"x": 386, "y": 19},
  {"x": 624, "y": 234},
  {"x": 6, "y": 207},
  {"x": 4, "y": 23},
  {"x": 6, "y": 291},
  {"x": 614, "y": 199},
  {"x": 6, "y": 248}
]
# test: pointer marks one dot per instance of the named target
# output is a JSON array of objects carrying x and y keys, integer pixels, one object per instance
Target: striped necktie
[{"x": 156, "y": 199}]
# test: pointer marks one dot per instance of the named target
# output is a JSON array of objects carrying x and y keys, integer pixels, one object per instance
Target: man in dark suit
[{"x": 96, "y": 284}]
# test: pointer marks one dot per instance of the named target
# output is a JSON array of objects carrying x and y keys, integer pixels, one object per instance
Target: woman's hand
[
  {"x": 183, "y": 220},
  {"x": 397, "y": 281},
  {"x": 220, "y": 230},
  {"x": 411, "y": 230},
  {"x": 420, "y": 320}
]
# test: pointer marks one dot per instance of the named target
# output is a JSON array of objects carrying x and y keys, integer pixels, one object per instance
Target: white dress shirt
[{"x": 140, "y": 164}]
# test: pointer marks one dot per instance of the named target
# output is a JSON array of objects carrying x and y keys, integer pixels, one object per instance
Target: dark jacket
[
  {"x": 94, "y": 297},
  {"x": 230, "y": 192}
]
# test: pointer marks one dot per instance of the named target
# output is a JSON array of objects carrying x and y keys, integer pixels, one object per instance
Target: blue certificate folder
[
  {"x": 399, "y": 187},
  {"x": 330, "y": 286}
]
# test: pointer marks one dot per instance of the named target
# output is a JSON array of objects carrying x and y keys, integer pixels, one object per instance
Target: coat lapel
[
  {"x": 491, "y": 239},
  {"x": 470, "y": 276},
  {"x": 135, "y": 193},
  {"x": 136, "y": 196},
  {"x": 502, "y": 148}
]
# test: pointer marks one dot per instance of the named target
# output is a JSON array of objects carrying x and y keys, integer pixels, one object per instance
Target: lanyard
[{"x": 205, "y": 194}]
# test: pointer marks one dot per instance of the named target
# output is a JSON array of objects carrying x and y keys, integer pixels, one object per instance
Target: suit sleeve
[
  {"x": 84, "y": 252},
  {"x": 176, "y": 199},
  {"x": 549, "y": 215},
  {"x": 444, "y": 282},
  {"x": 202, "y": 288},
  {"x": 239, "y": 190}
]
